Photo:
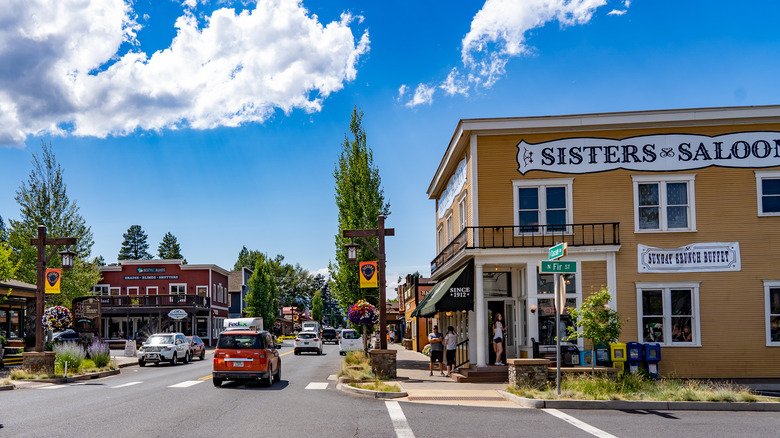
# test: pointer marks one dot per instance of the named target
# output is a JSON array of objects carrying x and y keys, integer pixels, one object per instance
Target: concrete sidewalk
[{"x": 412, "y": 369}]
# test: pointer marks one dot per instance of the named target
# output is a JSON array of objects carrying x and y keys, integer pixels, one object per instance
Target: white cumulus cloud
[
  {"x": 423, "y": 94},
  {"x": 60, "y": 69}
]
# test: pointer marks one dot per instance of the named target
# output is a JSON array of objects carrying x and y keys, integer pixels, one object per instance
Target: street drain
[{"x": 455, "y": 398}]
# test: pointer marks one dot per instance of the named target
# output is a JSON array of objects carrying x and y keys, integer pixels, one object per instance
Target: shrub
[
  {"x": 71, "y": 353},
  {"x": 99, "y": 353}
]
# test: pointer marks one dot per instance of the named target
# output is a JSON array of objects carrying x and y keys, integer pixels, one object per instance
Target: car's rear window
[
  {"x": 231, "y": 341},
  {"x": 330, "y": 332},
  {"x": 306, "y": 335},
  {"x": 350, "y": 335}
]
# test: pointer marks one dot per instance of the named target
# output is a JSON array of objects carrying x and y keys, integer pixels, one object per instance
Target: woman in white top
[{"x": 498, "y": 337}]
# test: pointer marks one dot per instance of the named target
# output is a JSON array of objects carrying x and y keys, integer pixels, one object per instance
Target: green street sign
[
  {"x": 557, "y": 251},
  {"x": 554, "y": 267}
]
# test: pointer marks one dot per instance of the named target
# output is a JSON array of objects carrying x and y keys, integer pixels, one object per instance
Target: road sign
[
  {"x": 554, "y": 267},
  {"x": 557, "y": 251}
]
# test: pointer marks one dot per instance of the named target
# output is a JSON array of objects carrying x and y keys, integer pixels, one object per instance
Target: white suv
[
  {"x": 164, "y": 347},
  {"x": 308, "y": 341}
]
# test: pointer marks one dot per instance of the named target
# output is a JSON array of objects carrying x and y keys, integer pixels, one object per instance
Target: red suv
[{"x": 246, "y": 355}]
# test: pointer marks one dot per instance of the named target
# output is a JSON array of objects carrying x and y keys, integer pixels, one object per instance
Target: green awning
[{"x": 452, "y": 293}]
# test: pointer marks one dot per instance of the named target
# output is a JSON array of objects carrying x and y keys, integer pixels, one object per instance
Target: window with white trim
[
  {"x": 100, "y": 289},
  {"x": 664, "y": 203},
  {"x": 178, "y": 289},
  {"x": 152, "y": 290},
  {"x": 440, "y": 237},
  {"x": 768, "y": 191},
  {"x": 772, "y": 297},
  {"x": 462, "y": 213},
  {"x": 449, "y": 227},
  {"x": 114, "y": 291},
  {"x": 542, "y": 202},
  {"x": 668, "y": 313},
  {"x": 202, "y": 291}
]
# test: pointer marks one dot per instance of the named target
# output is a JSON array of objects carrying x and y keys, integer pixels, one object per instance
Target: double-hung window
[
  {"x": 178, "y": 289},
  {"x": 440, "y": 237},
  {"x": 462, "y": 213},
  {"x": 772, "y": 297},
  {"x": 669, "y": 313},
  {"x": 449, "y": 227},
  {"x": 664, "y": 203},
  {"x": 768, "y": 189},
  {"x": 542, "y": 206},
  {"x": 100, "y": 289}
]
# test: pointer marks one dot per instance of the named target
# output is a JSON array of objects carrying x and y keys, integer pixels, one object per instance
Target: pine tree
[
  {"x": 134, "y": 247},
  {"x": 3, "y": 237},
  {"x": 43, "y": 200},
  {"x": 360, "y": 201},
  {"x": 246, "y": 258},
  {"x": 261, "y": 299},
  {"x": 169, "y": 247}
]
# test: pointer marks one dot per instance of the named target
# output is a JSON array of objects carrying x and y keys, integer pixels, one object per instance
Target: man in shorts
[{"x": 436, "y": 339}]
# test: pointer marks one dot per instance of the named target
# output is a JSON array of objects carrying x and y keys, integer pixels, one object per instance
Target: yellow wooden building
[{"x": 676, "y": 212}]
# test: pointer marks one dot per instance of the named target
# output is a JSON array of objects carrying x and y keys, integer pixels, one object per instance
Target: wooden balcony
[
  {"x": 154, "y": 301},
  {"x": 530, "y": 236}
]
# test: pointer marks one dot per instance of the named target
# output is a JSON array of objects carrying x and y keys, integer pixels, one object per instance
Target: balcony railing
[
  {"x": 529, "y": 236},
  {"x": 172, "y": 300}
]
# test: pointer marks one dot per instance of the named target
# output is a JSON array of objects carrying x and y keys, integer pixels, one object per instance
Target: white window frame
[
  {"x": 769, "y": 284},
  {"x": 542, "y": 185},
  {"x": 760, "y": 176},
  {"x": 661, "y": 180},
  {"x": 440, "y": 236},
  {"x": 667, "y": 315},
  {"x": 171, "y": 286},
  {"x": 135, "y": 288},
  {"x": 462, "y": 213},
  {"x": 204, "y": 289},
  {"x": 448, "y": 221},
  {"x": 103, "y": 290},
  {"x": 156, "y": 290},
  {"x": 111, "y": 291}
]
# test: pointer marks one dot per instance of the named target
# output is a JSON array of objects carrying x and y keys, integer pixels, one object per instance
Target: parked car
[
  {"x": 164, "y": 347},
  {"x": 308, "y": 341},
  {"x": 350, "y": 341},
  {"x": 197, "y": 347},
  {"x": 330, "y": 335},
  {"x": 68, "y": 335},
  {"x": 246, "y": 355}
]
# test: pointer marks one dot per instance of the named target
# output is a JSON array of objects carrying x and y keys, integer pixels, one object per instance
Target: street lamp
[
  {"x": 352, "y": 248},
  {"x": 67, "y": 259}
]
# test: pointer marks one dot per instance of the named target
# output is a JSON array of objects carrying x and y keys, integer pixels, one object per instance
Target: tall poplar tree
[
  {"x": 317, "y": 306},
  {"x": 360, "y": 200},
  {"x": 169, "y": 247},
  {"x": 43, "y": 200},
  {"x": 261, "y": 299},
  {"x": 135, "y": 245}
]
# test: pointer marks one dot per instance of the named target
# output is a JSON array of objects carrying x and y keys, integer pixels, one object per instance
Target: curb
[
  {"x": 344, "y": 387},
  {"x": 87, "y": 376},
  {"x": 7, "y": 387},
  {"x": 626, "y": 405}
]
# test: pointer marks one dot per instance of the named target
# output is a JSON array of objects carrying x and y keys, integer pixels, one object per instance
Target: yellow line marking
[
  {"x": 286, "y": 353},
  {"x": 206, "y": 377}
]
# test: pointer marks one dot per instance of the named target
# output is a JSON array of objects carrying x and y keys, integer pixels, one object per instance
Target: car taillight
[
  {"x": 316, "y": 340},
  {"x": 297, "y": 339}
]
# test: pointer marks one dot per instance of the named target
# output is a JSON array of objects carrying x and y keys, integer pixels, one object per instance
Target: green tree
[
  {"x": 317, "y": 306},
  {"x": 262, "y": 297},
  {"x": 595, "y": 321},
  {"x": 43, "y": 200},
  {"x": 169, "y": 247},
  {"x": 135, "y": 246},
  {"x": 360, "y": 200},
  {"x": 246, "y": 258},
  {"x": 3, "y": 237}
]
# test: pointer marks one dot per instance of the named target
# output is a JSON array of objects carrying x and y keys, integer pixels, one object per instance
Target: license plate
[
  {"x": 305, "y": 343},
  {"x": 238, "y": 364},
  {"x": 151, "y": 356}
]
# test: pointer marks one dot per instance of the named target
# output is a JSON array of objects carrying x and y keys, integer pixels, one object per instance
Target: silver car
[{"x": 164, "y": 347}]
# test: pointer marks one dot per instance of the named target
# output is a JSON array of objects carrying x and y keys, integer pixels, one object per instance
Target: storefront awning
[{"x": 452, "y": 293}]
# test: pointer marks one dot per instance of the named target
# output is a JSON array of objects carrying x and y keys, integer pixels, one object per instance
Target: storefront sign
[
  {"x": 454, "y": 187},
  {"x": 660, "y": 153},
  {"x": 177, "y": 314},
  {"x": 696, "y": 257},
  {"x": 151, "y": 277},
  {"x": 150, "y": 270},
  {"x": 460, "y": 292}
]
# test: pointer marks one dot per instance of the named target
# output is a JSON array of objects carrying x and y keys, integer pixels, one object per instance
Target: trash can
[
  {"x": 602, "y": 356},
  {"x": 570, "y": 356},
  {"x": 652, "y": 357},
  {"x": 618, "y": 356},
  {"x": 635, "y": 354}
]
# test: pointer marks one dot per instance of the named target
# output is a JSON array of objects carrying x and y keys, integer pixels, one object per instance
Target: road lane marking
[
  {"x": 283, "y": 354},
  {"x": 210, "y": 376},
  {"x": 401, "y": 426},
  {"x": 317, "y": 385},
  {"x": 126, "y": 384},
  {"x": 186, "y": 384},
  {"x": 53, "y": 387},
  {"x": 580, "y": 424}
]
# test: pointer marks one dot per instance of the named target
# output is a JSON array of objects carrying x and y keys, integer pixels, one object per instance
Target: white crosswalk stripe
[
  {"x": 127, "y": 384},
  {"x": 401, "y": 426},
  {"x": 317, "y": 385},
  {"x": 186, "y": 384}
]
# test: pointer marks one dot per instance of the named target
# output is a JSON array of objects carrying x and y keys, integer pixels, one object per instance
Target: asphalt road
[{"x": 177, "y": 401}]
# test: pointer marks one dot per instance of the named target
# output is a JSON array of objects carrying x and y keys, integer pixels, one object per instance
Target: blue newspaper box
[
  {"x": 652, "y": 357},
  {"x": 603, "y": 356},
  {"x": 635, "y": 355},
  {"x": 586, "y": 358}
]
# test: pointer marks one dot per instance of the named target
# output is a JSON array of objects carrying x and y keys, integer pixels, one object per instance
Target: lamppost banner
[
  {"x": 368, "y": 277},
  {"x": 53, "y": 277}
]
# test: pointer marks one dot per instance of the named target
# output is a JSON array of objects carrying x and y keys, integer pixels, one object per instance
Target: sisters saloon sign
[{"x": 666, "y": 152}]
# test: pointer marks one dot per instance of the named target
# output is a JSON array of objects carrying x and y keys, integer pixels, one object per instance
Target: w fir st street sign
[{"x": 554, "y": 267}]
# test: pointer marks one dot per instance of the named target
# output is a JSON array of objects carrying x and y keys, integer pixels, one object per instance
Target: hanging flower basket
[
  {"x": 363, "y": 313},
  {"x": 56, "y": 318}
]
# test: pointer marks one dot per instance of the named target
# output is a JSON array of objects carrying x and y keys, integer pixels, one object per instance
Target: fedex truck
[{"x": 243, "y": 324}]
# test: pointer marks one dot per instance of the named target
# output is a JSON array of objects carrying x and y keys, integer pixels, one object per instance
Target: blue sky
[{"x": 221, "y": 121}]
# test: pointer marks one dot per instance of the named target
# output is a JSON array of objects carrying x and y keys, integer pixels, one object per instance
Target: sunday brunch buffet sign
[
  {"x": 667, "y": 152},
  {"x": 696, "y": 257}
]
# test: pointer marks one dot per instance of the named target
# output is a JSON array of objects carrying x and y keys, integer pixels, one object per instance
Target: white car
[
  {"x": 308, "y": 341},
  {"x": 350, "y": 340},
  {"x": 164, "y": 347}
]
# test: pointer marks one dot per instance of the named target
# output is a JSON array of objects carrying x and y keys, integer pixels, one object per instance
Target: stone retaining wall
[{"x": 531, "y": 372}]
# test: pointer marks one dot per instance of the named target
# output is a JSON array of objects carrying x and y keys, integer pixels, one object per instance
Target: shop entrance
[{"x": 507, "y": 310}]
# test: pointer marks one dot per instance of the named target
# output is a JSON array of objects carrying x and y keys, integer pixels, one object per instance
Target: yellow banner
[
  {"x": 368, "y": 275},
  {"x": 53, "y": 277}
]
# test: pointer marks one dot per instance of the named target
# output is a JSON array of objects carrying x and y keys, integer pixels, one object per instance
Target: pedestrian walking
[
  {"x": 498, "y": 338},
  {"x": 451, "y": 341},
  {"x": 437, "y": 349}
]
